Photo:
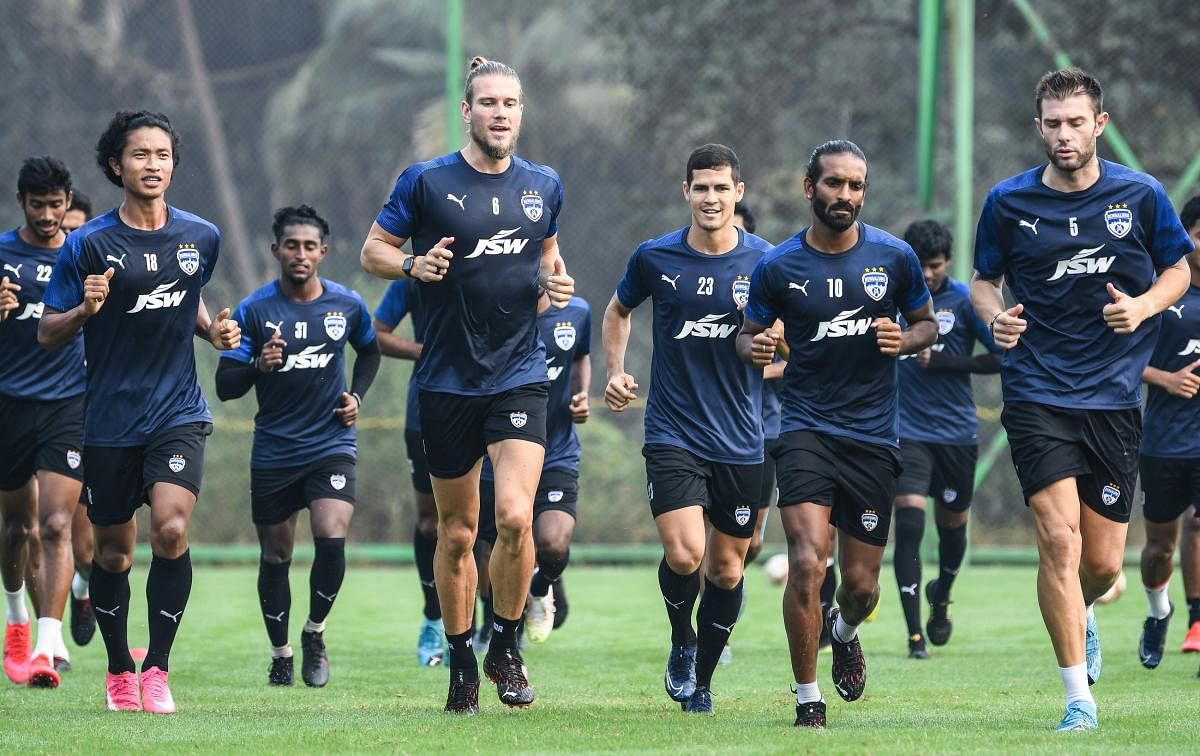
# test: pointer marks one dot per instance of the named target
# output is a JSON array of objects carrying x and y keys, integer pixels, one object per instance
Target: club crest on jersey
[
  {"x": 518, "y": 419},
  {"x": 189, "y": 259},
  {"x": 1110, "y": 494},
  {"x": 949, "y": 495},
  {"x": 338, "y": 481},
  {"x": 564, "y": 335},
  {"x": 945, "y": 319},
  {"x": 870, "y": 520},
  {"x": 875, "y": 282},
  {"x": 741, "y": 291},
  {"x": 177, "y": 463},
  {"x": 1119, "y": 219},
  {"x": 741, "y": 515},
  {"x": 554, "y": 496},
  {"x": 531, "y": 203},
  {"x": 73, "y": 459},
  {"x": 335, "y": 325}
]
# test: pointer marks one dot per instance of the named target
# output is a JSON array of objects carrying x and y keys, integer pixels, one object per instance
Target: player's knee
[
  {"x": 55, "y": 528},
  {"x": 112, "y": 557},
  {"x": 1101, "y": 568},
  {"x": 16, "y": 530},
  {"x": 427, "y": 525},
  {"x": 169, "y": 538},
  {"x": 805, "y": 572},
  {"x": 513, "y": 522},
  {"x": 553, "y": 559},
  {"x": 683, "y": 560},
  {"x": 456, "y": 538}
]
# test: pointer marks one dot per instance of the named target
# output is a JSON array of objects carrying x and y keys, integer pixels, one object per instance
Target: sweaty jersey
[
  {"x": 937, "y": 406},
  {"x": 27, "y": 371},
  {"x": 1172, "y": 425},
  {"x": 702, "y": 397},
  {"x": 400, "y": 299},
  {"x": 566, "y": 334},
  {"x": 141, "y": 367},
  {"x": 837, "y": 381},
  {"x": 1057, "y": 251},
  {"x": 480, "y": 334},
  {"x": 295, "y": 423}
]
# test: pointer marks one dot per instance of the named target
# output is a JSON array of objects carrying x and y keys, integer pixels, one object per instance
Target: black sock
[
  {"x": 486, "y": 602},
  {"x": 679, "y": 596},
  {"x": 715, "y": 619},
  {"x": 952, "y": 548},
  {"x": 462, "y": 655},
  {"x": 423, "y": 549},
  {"x": 110, "y": 604},
  {"x": 167, "y": 589},
  {"x": 828, "y": 588},
  {"x": 275, "y": 598},
  {"x": 550, "y": 569},
  {"x": 504, "y": 633},
  {"x": 910, "y": 526},
  {"x": 325, "y": 580},
  {"x": 1193, "y": 610}
]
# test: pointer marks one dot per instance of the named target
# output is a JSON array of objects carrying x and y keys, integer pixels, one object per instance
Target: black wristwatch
[{"x": 407, "y": 265}]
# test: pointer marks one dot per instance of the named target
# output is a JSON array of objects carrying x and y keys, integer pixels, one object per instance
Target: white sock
[
  {"x": 1091, "y": 612},
  {"x": 843, "y": 631},
  {"x": 79, "y": 586},
  {"x": 60, "y": 650},
  {"x": 284, "y": 651},
  {"x": 313, "y": 627},
  {"x": 17, "y": 613},
  {"x": 49, "y": 637},
  {"x": 1160, "y": 607},
  {"x": 1075, "y": 683},
  {"x": 828, "y": 562},
  {"x": 806, "y": 692}
]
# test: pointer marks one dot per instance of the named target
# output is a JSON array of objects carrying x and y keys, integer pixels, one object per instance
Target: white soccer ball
[
  {"x": 776, "y": 569},
  {"x": 1114, "y": 593}
]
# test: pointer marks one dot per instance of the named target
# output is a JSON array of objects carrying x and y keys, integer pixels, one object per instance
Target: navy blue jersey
[
  {"x": 480, "y": 333},
  {"x": 772, "y": 407},
  {"x": 1057, "y": 251},
  {"x": 295, "y": 423},
  {"x": 401, "y": 299},
  {"x": 702, "y": 397},
  {"x": 1172, "y": 424},
  {"x": 27, "y": 371},
  {"x": 937, "y": 406},
  {"x": 566, "y": 333},
  {"x": 837, "y": 381},
  {"x": 141, "y": 367}
]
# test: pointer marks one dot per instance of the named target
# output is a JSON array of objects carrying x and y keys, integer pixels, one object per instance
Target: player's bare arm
[
  {"x": 57, "y": 328},
  {"x": 392, "y": 345},
  {"x": 8, "y": 297},
  {"x": 223, "y": 333},
  {"x": 581, "y": 378},
  {"x": 1182, "y": 383},
  {"x": 553, "y": 274},
  {"x": 1006, "y": 324},
  {"x": 1125, "y": 313},
  {"x": 757, "y": 344},
  {"x": 920, "y": 334},
  {"x": 381, "y": 256},
  {"x": 621, "y": 388}
]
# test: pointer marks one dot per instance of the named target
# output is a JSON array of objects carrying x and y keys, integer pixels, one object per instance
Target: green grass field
[{"x": 598, "y": 680}]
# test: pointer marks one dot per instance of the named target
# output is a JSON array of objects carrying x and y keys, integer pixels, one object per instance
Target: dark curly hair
[
  {"x": 43, "y": 175},
  {"x": 290, "y": 216},
  {"x": 929, "y": 239},
  {"x": 112, "y": 141}
]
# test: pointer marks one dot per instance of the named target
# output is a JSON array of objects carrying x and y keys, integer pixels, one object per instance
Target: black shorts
[
  {"x": 1169, "y": 487},
  {"x": 943, "y": 471},
  {"x": 457, "y": 429},
  {"x": 278, "y": 493},
  {"x": 118, "y": 479},
  {"x": 855, "y": 479},
  {"x": 418, "y": 465},
  {"x": 768, "y": 487},
  {"x": 558, "y": 490},
  {"x": 676, "y": 478},
  {"x": 1099, "y": 448},
  {"x": 40, "y": 436}
]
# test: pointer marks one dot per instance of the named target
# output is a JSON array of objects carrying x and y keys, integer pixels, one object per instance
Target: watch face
[{"x": 408, "y": 264}]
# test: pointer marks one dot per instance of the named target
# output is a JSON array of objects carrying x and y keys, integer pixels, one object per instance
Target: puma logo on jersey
[
  {"x": 161, "y": 298},
  {"x": 671, "y": 280},
  {"x": 459, "y": 200},
  {"x": 173, "y": 617},
  {"x": 1193, "y": 347},
  {"x": 707, "y": 327},
  {"x": 1031, "y": 226},
  {"x": 118, "y": 260},
  {"x": 308, "y": 359},
  {"x": 15, "y": 271},
  {"x": 1083, "y": 263},
  {"x": 500, "y": 244},
  {"x": 802, "y": 287},
  {"x": 32, "y": 310},
  {"x": 842, "y": 325},
  {"x": 1177, "y": 309},
  {"x": 553, "y": 371},
  {"x": 276, "y": 327}
]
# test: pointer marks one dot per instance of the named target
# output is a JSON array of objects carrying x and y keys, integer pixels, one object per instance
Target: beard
[
  {"x": 491, "y": 149},
  {"x": 824, "y": 211},
  {"x": 1070, "y": 166}
]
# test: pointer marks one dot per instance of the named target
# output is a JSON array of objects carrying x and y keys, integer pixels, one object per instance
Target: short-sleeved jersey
[
  {"x": 1057, "y": 251},
  {"x": 837, "y": 381},
  {"x": 480, "y": 335},
  {"x": 1172, "y": 425},
  {"x": 141, "y": 367},
  {"x": 27, "y": 371},
  {"x": 937, "y": 406},
  {"x": 403, "y": 298},
  {"x": 567, "y": 336},
  {"x": 295, "y": 423},
  {"x": 702, "y": 397}
]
